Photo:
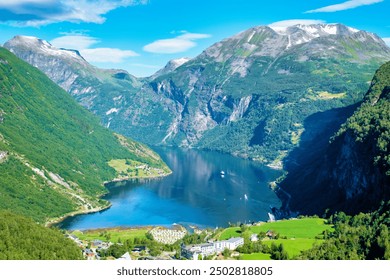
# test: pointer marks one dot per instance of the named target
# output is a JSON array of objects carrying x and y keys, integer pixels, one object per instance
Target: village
[{"x": 162, "y": 243}]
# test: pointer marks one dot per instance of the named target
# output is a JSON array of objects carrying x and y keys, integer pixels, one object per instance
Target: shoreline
[
  {"x": 58, "y": 220},
  {"x": 117, "y": 180},
  {"x": 116, "y": 228},
  {"x": 54, "y": 221}
]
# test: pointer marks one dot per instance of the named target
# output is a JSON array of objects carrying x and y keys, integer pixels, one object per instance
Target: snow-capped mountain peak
[
  {"x": 42, "y": 46},
  {"x": 179, "y": 61},
  {"x": 171, "y": 66},
  {"x": 315, "y": 30}
]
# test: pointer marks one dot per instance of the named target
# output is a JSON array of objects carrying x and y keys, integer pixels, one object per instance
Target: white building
[
  {"x": 193, "y": 251},
  {"x": 254, "y": 237},
  {"x": 207, "y": 249},
  {"x": 125, "y": 256},
  {"x": 231, "y": 244}
]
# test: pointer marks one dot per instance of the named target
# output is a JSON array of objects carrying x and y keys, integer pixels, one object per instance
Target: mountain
[
  {"x": 117, "y": 97},
  {"x": 248, "y": 95},
  {"x": 23, "y": 239},
  {"x": 54, "y": 154},
  {"x": 352, "y": 172},
  {"x": 171, "y": 66}
]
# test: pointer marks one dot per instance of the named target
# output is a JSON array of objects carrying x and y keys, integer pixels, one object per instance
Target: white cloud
[
  {"x": 178, "y": 44},
  {"x": 169, "y": 46},
  {"x": 11, "y": 3},
  {"x": 344, "y": 6},
  {"x": 43, "y": 12},
  {"x": 76, "y": 42},
  {"x": 83, "y": 44},
  {"x": 107, "y": 55},
  {"x": 193, "y": 36},
  {"x": 291, "y": 22},
  {"x": 387, "y": 41}
]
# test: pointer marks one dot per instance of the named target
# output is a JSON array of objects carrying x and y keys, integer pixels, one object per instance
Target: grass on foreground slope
[
  {"x": 296, "y": 228},
  {"x": 296, "y": 235},
  {"x": 112, "y": 234},
  {"x": 364, "y": 236},
  {"x": 42, "y": 129},
  {"x": 256, "y": 256}
]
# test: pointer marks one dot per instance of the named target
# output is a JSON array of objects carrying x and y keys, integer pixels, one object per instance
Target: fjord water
[{"x": 195, "y": 193}]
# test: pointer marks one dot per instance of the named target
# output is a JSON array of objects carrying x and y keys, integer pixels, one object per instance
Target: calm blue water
[{"x": 194, "y": 194}]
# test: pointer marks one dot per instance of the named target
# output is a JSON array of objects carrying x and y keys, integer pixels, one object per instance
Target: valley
[
  {"x": 240, "y": 96},
  {"x": 196, "y": 193},
  {"x": 305, "y": 238},
  {"x": 55, "y": 153},
  {"x": 271, "y": 122}
]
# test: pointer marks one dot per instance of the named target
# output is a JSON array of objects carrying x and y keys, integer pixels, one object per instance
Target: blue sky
[{"x": 141, "y": 36}]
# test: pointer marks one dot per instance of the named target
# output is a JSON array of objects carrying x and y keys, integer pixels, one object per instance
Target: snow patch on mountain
[
  {"x": 171, "y": 66},
  {"x": 179, "y": 61},
  {"x": 42, "y": 46},
  {"x": 112, "y": 110},
  {"x": 315, "y": 30}
]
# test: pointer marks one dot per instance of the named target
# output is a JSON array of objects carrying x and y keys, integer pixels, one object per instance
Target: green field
[
  {"x": 256, "y": 256},
  {"x": 296, "y": 235},
  {"x": 114, "y": 233},
  {"x": 294, "y": 246},
  {"x": 230, "y": 232},
  {"x": 296, "y": 228}
]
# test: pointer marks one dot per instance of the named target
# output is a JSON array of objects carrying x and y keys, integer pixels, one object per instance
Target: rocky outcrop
[
  {"x": 266, "y": 81},
  {"x": 3, "y": 156}
]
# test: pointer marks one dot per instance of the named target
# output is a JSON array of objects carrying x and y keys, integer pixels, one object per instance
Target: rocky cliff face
[
  {"x": 242, "y": 94},
  {"x": 69, "y": 65},
  {"x": 248, "y": 95},
  {"x": 352, "y": 173}
]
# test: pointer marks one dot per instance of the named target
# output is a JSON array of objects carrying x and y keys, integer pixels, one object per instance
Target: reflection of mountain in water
[{"x": 194, "y": 193}]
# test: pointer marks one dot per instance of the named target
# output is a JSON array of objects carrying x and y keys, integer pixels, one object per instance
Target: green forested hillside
[
  {"x": 352, "y": 171},
  {"x": 249, "y": 95},
  {"x": 54, "y": 154},
  {"x": 371, "y": 123},
  {"x": 252, "y": 94},
  {"x": 364, "y": 236},
  {"x": 22, "y": 239}
]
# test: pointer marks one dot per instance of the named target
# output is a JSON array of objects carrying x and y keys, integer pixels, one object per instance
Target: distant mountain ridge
[
  {"x": 172, "y": 65},
  {"x": 240, "y": 96}
]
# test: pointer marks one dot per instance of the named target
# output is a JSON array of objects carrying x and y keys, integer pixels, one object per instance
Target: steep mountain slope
[
  {"x": 115, "y": 96},
  {"x": 54, "y": 155},
  {"x": 352, "y": 173},
  {"x": 248, "y": 95},
  {"x": 22, "y": 239}
]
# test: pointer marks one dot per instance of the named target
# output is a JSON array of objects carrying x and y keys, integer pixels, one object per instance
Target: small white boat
[{"x": 246, "y": 197}]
